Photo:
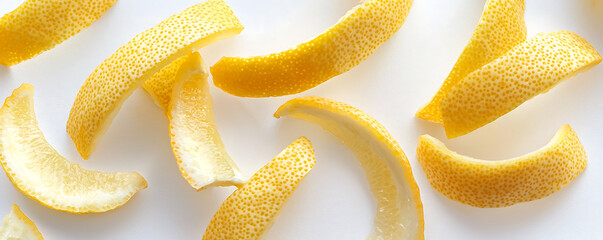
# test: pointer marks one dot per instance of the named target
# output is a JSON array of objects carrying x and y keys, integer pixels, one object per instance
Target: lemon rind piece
[
  {"x": 340, "y": 48},
  {"x": 16, "y": 220},
  {"x": 39, "y": 25},
  {"x": 400, "y": 213},
  {"x": 161, "y": 84},
  {"x": 114, "y": 80},
  {"x": 250, "y": 211},
  {"x": 493, "y": 36},
  {"x": 492, "y": 184},
  {"x": 529, "y": 69},
  {"x": 32, "y": 165},
  {"x": 203, "y": 161}
]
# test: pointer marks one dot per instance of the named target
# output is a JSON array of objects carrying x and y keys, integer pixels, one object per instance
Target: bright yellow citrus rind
[
  {"x": 501, "y": 27},
  {"x": 399, "y": 207},
  {"x": 340, "y": 48},
  {"x": 161, "y": 85},
  {"x": 38, "y": 171},
  {"x": 105, "y": 90},
  {"x": 17, "y": 226},
  {"x": 490, "y": 184},
  {"x": 249, "y": 212},
  {"x": 529, "y": 69},
  {"x": 39, "y": 25}
]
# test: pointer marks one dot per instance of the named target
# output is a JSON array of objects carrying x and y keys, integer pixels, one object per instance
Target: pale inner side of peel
[
  {"x": 104, "y": 125},
  {"x": 201, "y": 154},
  {"x": 16, "y": 226},
  {"x": 40, "y": 172},
  {"x": 396, "y": 216},
  {"x": 560, "y": 135}
]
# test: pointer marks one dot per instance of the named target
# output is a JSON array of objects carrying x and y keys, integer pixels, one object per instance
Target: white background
[{"x": 334, "y": 201}]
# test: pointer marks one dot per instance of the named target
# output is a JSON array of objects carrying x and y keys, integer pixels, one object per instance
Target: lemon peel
[
  {"x": 399, "y": 207},
  {"x": 499, "y": 69},
  {"x": 501, "y": 27},
  {"x": 196, "y": 143},
  {"x": 250, "y": 210},
  {"x": 529, "y": 69},
  {"x": 161, "y": 85},
  {"x": 340, "y": 48},
  {"x": 38, "y": 171},
  {"x": 18, "y": 226},
  {"x": 114, "y": 80},
  {"x": 38, "y": 25},
  {"x": 490, "y": 184}
]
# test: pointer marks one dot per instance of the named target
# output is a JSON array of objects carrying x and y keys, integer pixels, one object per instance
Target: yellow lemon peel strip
[
  {"x": 399, "y": 206},
  {"x": 199, "y": 151},
  {"x": 18, "y": 226},
  {"x": 490, "y": 184},
  {"x": 343, "y": 46},
  {"x": 161, "y": 85},
  {"x": 38, "y": 171},
  {"x": 39, "y": 25},
  {"x": 249, "y": 212},
  {"x": 105, "y": 90},
  {"x": 201, "y": 155},
  {"x": 500, "y": 28},
  {"x": 529, "y": 69}
]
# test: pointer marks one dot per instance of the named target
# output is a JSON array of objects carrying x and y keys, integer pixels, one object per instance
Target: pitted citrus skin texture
[
  {"x": 17, "y": 226},
  {"x": 399, "y": 207},
  {"x": 499, "y": 69},
  {"x": 161, "y": 85},
  {"x": 39, "y": 172},
  {"x": 500, "y": 28},
  {"x": 114, "y": 80},
  {"x": 491, "y": 184},
  {"x": 196, "y": 143},
  {"x": 343, "y": 46},
  {"x": 39, "y": 25},
  {"x": 249, "y": 212},
  {"x": 529, "y": 69}
]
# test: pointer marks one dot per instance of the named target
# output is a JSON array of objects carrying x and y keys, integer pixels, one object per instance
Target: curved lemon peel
[
  {"x": 529, "y": 69},
  {"x": 489, "y": 184},
  {"x": 340, "y": 48},
  {"x": 114, "y": 80},
  {"x": 499, "y": 69},
  {"x": 399, "y": 207},
  {"x": 38, "y": 25},
  {"x": 161, "y": 85},
  {"x": 500, "y": 28},
  {"x": 196, "y": 143},
  {"x": 38, "y": 171},
  {"x": 250, "y": 210},
  {"x": 18, "y": 226}
]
